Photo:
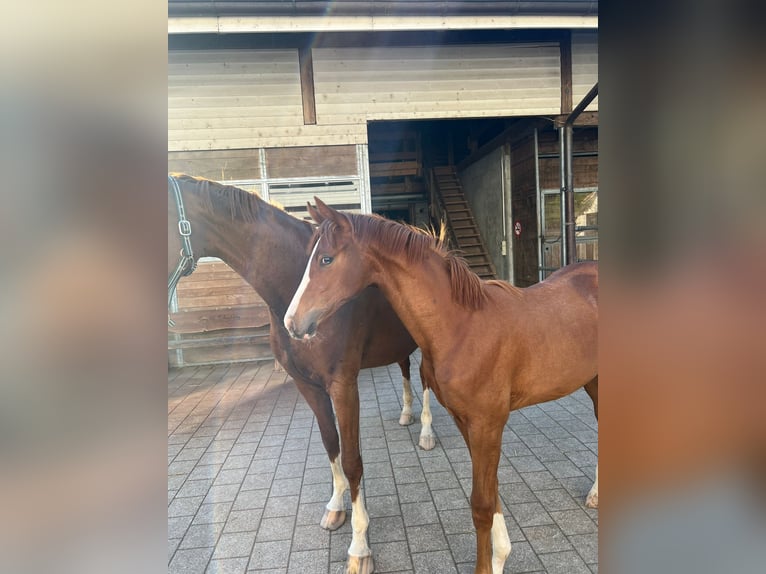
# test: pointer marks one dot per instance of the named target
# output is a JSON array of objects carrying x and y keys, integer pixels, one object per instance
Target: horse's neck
[
  {"x": 269, "y": 253},
  {"x": 421, "y": 295},
  {"x": 279, "y": 257}
]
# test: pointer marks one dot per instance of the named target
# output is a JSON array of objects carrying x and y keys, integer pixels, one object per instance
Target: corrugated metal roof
[{"x": 381, "y": 7}]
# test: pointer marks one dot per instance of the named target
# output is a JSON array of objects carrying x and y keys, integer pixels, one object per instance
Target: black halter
[{"x": 186, "y": 262}]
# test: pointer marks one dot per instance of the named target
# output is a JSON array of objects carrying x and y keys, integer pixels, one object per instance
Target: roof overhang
[{"x": 333, "y": 23}]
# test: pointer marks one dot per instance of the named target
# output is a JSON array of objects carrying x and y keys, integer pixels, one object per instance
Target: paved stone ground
[{"x": 248, "y": 479}]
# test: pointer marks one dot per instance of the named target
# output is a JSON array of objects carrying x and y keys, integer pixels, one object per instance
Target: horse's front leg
[
  {"x": 493, "y": 545},
  {"x": 345, "y": 396},
  {"x": 317, "y": 398}
]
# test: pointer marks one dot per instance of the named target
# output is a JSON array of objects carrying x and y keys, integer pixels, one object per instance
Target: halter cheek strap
[{"x": 186, "y": 264}]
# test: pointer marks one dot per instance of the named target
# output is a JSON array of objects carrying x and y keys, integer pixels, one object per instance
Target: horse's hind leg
[
  {"x": 406, "y": 417},
  {"x": 427, "y": 437},
  {"x": 591, "y": 501},
  {"x": 319, "y": 401}
]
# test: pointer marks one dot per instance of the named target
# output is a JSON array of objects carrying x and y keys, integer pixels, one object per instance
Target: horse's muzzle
[{"x": 301, "y": 330}]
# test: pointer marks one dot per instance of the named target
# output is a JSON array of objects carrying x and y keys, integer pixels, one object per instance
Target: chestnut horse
[
  {"x": 267, "y": 247},
  {"x": 488, "y": 348}
]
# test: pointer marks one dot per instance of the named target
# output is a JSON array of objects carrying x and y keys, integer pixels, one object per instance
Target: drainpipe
[{"x": 569, "y": 251}]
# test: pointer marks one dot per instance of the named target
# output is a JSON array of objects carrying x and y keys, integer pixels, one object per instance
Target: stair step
[{"x": 476, "y": 250}]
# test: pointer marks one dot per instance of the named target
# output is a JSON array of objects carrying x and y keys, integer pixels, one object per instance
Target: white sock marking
[
  {"x": 339, "y": 486},
  {"x": 406, "y": 415},
  {"x": 359, "y": 523},
  {"x": 301, "y": 289},
  {"x": 501, "y": 543},
  {"x": 593, "y": 494},
  {"x": 425, "y": 416}
]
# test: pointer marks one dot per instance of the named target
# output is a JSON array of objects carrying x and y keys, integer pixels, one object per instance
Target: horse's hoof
[
  {"x": 427, "y": 442},
  {"x": 333, "y": 519},
  {"x": 591, "y": 500},
  {"x": 406, "y": 420},
  {"x": 359, "y": 565}
]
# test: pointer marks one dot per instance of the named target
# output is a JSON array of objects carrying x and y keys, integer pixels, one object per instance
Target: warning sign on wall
[{"x": 517, "y": 229}]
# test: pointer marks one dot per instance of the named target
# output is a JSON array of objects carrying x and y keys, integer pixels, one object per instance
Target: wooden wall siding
[
  {"x": 584, "y": 66},
  {"x": 583, "y": 139},
  {"x": 585, "y": 173},
  {"x": 585, "y": 168},
  {"x": 220, "y": 319},
  {"x": 216, "y": 297},
  {"x": 218, "y": 165},
  {"x": 524, "y": 209},
  {"x": 240, "y": 99},
  {"x": 311, "y": 161},
  {"x": 353, "y": 85},
  {"x": 288, "y": 176}
]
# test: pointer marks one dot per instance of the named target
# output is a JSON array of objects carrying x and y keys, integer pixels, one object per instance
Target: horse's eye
[{"x": 325, "y": 260}]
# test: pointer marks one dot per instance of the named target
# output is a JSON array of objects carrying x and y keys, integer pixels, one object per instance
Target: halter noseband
[{"x": 186, "y": 263}]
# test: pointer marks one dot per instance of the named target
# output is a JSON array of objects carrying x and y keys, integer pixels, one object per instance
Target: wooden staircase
[{"x": 463, "y": 232}]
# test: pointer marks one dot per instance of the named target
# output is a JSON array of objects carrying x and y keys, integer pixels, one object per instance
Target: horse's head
[{"x": 336, "y": 272}]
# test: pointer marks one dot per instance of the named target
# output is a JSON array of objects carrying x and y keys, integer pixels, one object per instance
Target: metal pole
[
  {"x": 539, "y": 213},
  {"x": 510, "y": 239},
  {"x": 563, "y": 197},
  {"x": 569, "y": 203}
]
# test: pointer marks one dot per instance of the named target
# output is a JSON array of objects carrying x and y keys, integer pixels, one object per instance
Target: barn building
[{"x": 422, "y": 111}]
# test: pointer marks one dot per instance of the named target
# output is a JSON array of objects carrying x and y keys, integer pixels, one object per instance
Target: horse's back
[{"x": 580, "y": 279}]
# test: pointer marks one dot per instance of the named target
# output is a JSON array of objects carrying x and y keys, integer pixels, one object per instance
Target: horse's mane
[
  {"x": 415, "y": 244},
  {"x": 218, "y": 197}
]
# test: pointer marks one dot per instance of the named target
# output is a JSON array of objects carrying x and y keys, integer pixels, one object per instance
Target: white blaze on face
[{"x": 301, "y": 289}]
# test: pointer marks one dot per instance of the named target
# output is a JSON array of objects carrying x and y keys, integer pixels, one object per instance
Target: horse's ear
[
  {"x": 335, "y": 216},
  {"x": 315, "y": 215}
]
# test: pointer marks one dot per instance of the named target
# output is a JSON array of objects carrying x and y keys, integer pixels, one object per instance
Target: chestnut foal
[{"x": 488, "y": 348}]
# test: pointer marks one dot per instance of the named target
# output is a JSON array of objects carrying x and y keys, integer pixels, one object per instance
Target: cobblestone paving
[{"x": 248, "y": 479}]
